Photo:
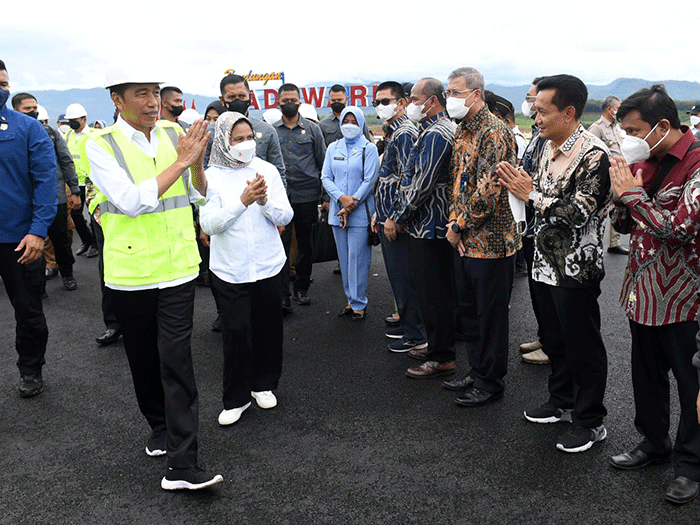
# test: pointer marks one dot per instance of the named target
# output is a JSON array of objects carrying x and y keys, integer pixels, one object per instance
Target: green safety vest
[
  {"x": 76, "y": 145},
  {"x": 158, "y": 246}
]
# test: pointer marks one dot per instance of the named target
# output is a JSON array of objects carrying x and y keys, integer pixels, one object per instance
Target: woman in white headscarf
[{"x": 246, "y": 202}]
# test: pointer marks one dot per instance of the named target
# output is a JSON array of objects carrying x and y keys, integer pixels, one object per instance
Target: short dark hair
[
  {"x": 432, "y": 86},
  {"x": 653, "y": 105},
  {"x": 120, "y": 89},
  {"x": 337, "y": 88},
  {"x": 19, "y": 98},
  {"x": 2, "y": 66},
  {"x": 232, "y": 79},
  {"x": 395, "y": 88},
  {"x": 568, "y": 91},
  {"x": 288, "y": 87},
  {"x": 167, "y": 90},
  {"x": 537, "y": 80}
]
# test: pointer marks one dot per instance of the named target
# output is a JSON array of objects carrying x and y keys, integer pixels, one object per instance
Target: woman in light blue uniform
[{"x": 348, "y": 175}]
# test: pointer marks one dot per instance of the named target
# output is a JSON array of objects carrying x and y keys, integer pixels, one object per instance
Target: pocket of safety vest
[{"x": 129, "y": 258}]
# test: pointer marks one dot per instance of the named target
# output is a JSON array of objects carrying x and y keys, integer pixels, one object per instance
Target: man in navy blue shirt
[{"x": 27, "y": 209}]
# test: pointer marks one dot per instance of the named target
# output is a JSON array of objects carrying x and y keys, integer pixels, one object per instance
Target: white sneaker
[
  {"x": 229, "y": 417},
  {"x": 265, "y": 399},
  {"x": 530, "y": 347}
]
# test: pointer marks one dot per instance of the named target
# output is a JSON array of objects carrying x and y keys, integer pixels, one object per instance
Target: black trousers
[
  {"x": 23, "y": 284},
  {"x": 305, "y": 216},
  {"x": 570, "y": 320},
  {"x": 157, "y": 327},
  {"x": 108, "y": 315},
  {"x": 433, "y": 272},
  {"x": 483, "y": 294},
  {"x": 528, "y": 252},
  {"x": 58, "y": 233},
  {"x": 251, "y": 326},
  {"x": 655, "y": 351},
  {"x": 81, "y": 226}
]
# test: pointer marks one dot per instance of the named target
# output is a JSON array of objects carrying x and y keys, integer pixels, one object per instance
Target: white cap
[
  {"x": 189, "y": 116},
  {"x": 272, "y": 116},
  {"x": 118, "y": 75},
  {"x": 75, "y": 111},
  {"x": 43, "y": 114},
  {"x": 308, "y": 111}
]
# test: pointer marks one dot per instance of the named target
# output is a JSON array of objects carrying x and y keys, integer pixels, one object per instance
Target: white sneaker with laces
[
  {"x": 229, "y": 417},
  {"x": 265, "y": 399}
]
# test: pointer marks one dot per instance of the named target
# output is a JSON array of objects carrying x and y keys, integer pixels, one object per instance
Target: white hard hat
[
  {"x": 43, "y": 114},
  {"x": 75, "y": 111},
  {"x": 272, "y": 116},
  {"x": 119, "y": 75},
  {"x": 189, "y": 116},
  {"x": 308, "y": 111}
]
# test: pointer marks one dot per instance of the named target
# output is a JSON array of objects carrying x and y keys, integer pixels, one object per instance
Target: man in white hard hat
[
  {"x": 75, "y": 137},
  {"x": 146, "y": 173}
]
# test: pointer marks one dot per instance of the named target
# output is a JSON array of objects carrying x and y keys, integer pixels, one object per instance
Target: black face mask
[
  {"x": 176, "y": 110},
  {"x": 290, "y": 109},
  {"x": 337, "y": 107},
  {"x": 74, "y": 125},
  {"x": 33, "y": 114},
  {"x": 238, "y": 106}
]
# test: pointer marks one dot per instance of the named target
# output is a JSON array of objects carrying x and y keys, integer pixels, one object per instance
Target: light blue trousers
[{"x": 355, "y": 256}]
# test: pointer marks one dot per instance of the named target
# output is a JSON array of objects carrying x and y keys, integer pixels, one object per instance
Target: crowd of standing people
[{"x": 454, "y": 195}]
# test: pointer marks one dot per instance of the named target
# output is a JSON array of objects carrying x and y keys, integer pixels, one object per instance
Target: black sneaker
[
  {"x": 155, "y": 446},
  {"x": 69, "y": 283},
  {"x": 547, "y": 413},
  {"x": 92, "y": 252},
  {"x": 579, "y": 438},
  {"x": 216, "y": 324},
  {"x": 30, "y": 385},
  {"x": 190, "y": 479},
  {"x": 302, "y": 298}
]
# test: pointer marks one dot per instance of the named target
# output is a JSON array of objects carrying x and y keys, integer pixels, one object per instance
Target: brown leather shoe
[
  {"x": 431, "y": 369},
  {"x": 418, "y": 353}
]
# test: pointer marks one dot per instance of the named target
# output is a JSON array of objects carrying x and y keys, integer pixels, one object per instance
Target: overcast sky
[{"x": 65, "y": 45}]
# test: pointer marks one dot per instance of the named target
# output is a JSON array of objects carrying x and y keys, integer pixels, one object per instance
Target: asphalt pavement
[{"x": 352, "y": 440}]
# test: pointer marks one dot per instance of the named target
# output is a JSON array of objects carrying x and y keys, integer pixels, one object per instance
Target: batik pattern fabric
[{"x": 571, "y": 204}]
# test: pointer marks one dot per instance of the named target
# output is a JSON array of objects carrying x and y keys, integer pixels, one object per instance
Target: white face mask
[
  {"x": 243, "y": 151},
  {"x": 694, "y": 120},
  {"x": 526, "y": 109},
  {"x": 350, "y": 131},
  {"x": 63, "y": 128},
  {"x": 386, "y": 112},
  {"x": 415, "y": 112},
  {"x": 456, "y": 108},
  {"x": 635, "y": 149}
]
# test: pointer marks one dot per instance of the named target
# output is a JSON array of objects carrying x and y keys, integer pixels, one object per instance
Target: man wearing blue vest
[{"x": 146, "y": 175}]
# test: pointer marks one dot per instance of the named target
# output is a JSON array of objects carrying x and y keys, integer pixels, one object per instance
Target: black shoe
[
  {"x": 30, "y": 385},
  {"x": 287, "y": 304},
  {"x": 155, "y": 446},
  {"x": 216, "y": 325},
  {"x": 461, "y": 383},
  {"x": 345, "y": 311},
  {"x": 109, "y": 336},
  {"x": 619, "y": 250},
  {"x": 682, "y": 490},
  {"x": 191, "y": 479},
  {"x": 392, "y": 321},
  {"x": 51, "y": 273},
  {"x": 336, "y": 270},
  {"x": 475, "y": 397},
  {"x": 92, "y": 252},
  {"x": 637, "y": 459},
  {"x": 302, "y": 298},
  {"x": 83, "y": 249},
  {"x": 358, "y": 316},
  {"x": 69, "y": 283}
]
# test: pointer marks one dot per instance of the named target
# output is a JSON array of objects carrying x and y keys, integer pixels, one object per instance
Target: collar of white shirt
[{"x": 138, "y": 137}]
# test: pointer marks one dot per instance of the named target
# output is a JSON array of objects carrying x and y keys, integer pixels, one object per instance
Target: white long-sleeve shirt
[{"x": 245, "y": 243}]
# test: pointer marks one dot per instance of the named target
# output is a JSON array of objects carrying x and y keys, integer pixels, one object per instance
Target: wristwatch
[
  {"x": 455, "y": 227},
  {"x": 531, "y": 198}
]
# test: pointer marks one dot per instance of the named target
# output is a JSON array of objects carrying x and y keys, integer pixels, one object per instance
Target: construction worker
[
  {"x": 75, "y": 137},
  {"x": 146, "y": 174}
]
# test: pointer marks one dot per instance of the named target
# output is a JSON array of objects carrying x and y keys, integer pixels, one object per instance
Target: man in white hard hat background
[
  {"x": 75, "y": 137},
  {"x": 144, "y": 189}
]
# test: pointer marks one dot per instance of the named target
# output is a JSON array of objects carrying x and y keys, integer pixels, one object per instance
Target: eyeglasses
[
  {"x": 383, "y": 101},
  {"x": 455, "y": 92}
]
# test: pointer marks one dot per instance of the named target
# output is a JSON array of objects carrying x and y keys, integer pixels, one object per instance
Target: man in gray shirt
[
  {"x": 304, "y": 151},
  {"x": 330, "y": 125}
]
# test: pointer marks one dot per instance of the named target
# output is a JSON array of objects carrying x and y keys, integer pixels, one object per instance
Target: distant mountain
[{"x": 99, "y": 105}]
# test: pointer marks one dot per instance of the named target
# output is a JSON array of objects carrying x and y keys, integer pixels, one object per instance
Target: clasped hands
[{"x": 255, "y": 191}]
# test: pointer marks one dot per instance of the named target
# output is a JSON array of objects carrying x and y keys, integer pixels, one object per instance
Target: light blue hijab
[{"x": 360, "y": 116}]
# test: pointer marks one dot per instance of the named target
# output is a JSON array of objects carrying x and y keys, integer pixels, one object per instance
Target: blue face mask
[{"x": 4, "y": 95}]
